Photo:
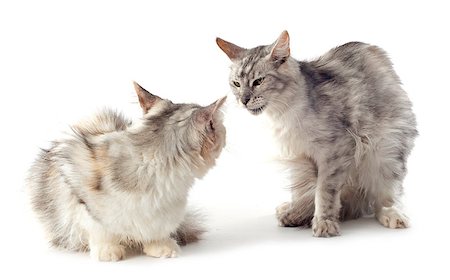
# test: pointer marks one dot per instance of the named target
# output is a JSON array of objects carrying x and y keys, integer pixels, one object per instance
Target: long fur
[
  {"x": 190, "y": 229},
  {"x": 113, "y": 184},
  {"x": 344, "y": 124}
]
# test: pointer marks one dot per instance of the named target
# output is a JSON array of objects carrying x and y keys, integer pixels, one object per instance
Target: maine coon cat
[
  {"x": 344, "y": 124},
  {"x": 112, "y": 184}
]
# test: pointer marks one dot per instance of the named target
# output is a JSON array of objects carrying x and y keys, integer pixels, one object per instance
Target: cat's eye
[
  {"x": 258, "y": 82},
  {"x": 211, "y": 125},
  {"x": 236, "y": 84}
]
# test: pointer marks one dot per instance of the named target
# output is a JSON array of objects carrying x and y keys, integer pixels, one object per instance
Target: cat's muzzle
[{"x": 256, "y": 111}]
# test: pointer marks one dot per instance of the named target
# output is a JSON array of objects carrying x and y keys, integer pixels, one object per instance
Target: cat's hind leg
[
  {"x": 164, "y": 248},
  {"x": 392, "y": 217},
  {"x": 386, "y": 173},
  {"x": 387, "y": 199},
  {"x": 300, "y": 211},
  {"x": 387, "y": 205}
]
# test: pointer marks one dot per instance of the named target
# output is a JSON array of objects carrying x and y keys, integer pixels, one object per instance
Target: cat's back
[
  {"x": 356, "y": 82},
  {"x": 354, "y": 87},
  {"x": 356, "y": 60}
]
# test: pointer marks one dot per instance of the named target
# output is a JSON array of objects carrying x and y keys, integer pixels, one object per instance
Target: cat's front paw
[
  {"x": 325, "y": 228},
  {"x": 391, "y": 217},
  {"x": 167, "y": 248},
  {"x": 108, "y": 252}
]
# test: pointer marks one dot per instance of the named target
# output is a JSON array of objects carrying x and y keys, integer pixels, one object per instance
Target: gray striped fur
[{"x": 345, "y": 127}]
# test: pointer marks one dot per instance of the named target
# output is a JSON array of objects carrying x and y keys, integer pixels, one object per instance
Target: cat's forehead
[{"x": 253, "y": 61}]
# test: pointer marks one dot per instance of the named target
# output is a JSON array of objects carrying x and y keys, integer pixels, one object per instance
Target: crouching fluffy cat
[
  {"x": 113, "y": 184},
  {"x": 344, "y": 123}
]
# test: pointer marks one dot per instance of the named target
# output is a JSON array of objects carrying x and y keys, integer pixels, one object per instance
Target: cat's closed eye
[
  {"x": 236, "y": 84},
  {"x": 211, "y": 125},
  {"x": 258, "y": 81}
]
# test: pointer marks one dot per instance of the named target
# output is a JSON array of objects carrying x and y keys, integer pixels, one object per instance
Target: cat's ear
[
  {"x": 205, "y": 114},
  {"x": 231, "y": 50},
  {"x": 146, "y": 99},
  {"x": 280, "y": 49}
]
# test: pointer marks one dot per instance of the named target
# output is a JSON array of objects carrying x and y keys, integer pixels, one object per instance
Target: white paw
[
  {"x": 108, "y": 252},
  {"x": 162, "y": 249},
  {"x": 325, "y": 228},
  {"x": 281, "y": 211},
  {"x": 391, "y": 217}
]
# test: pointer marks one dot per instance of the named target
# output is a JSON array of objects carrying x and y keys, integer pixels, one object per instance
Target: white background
[{"x": 61, "y": 60}]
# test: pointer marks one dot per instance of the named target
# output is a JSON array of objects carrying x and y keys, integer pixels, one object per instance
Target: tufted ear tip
[
  {"x": 231, "y": 50},
  {"x": 219, "y": 41},
  {"x": 146, "y": 99},
  {"x": 281, "y": 50},
  {"x": 137, "y": 87},
  {"x": 205, "y": 114},
  {"x": 220, "y": 102}
]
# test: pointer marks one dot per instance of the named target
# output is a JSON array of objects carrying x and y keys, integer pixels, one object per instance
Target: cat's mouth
[{"x": 257, "y": 111}]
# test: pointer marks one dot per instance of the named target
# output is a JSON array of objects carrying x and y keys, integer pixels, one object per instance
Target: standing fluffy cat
[
  {"x": 344, "y": 124},
  {"x": 113, "y": 184}
]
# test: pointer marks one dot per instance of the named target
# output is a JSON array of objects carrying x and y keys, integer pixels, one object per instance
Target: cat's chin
[{"x": 257, "y": 111}]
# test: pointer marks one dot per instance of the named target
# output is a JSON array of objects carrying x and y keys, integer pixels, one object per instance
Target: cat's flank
[
  {"x": 112, "y": 184},
  {"x": 345, "y": 127}
]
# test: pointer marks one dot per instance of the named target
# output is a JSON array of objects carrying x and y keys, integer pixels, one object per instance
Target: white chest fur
[
  {"x": 147, "y": 216},
  {"x": 291, "y": 135}
]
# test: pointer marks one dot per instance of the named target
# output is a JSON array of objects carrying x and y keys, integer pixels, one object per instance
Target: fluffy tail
[
  {"x": 104, "y": 121},
  {"x": 190, "y": 229}
]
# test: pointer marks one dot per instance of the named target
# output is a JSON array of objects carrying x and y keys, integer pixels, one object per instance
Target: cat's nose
[{"x": 245, "y": 99}]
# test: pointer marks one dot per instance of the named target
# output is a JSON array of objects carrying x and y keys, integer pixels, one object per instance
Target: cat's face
[
  {"x": 190, "y": 128},
  {"x": 258, "y": 76}
]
